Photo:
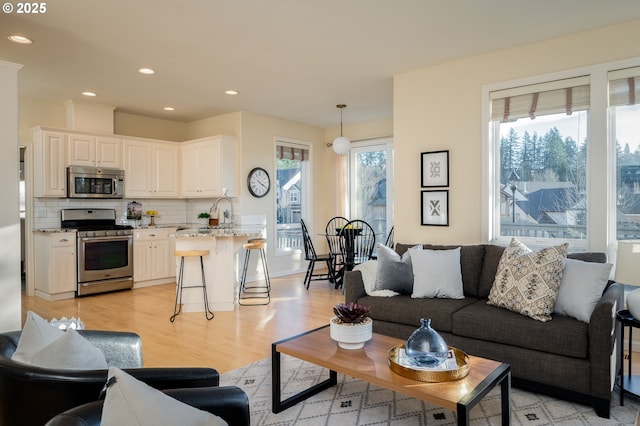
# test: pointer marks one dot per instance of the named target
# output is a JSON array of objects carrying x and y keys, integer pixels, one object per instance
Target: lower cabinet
[
  {"x": 153, "y": 256},
  {"x": 55, "y": 260}
]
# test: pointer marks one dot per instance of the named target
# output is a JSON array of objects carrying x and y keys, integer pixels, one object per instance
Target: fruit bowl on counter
[{"x": 152, "y": 215}]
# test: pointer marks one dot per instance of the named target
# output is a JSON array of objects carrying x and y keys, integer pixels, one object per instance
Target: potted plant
[
  {"x": 351, "y": 327},
  {"x": 204, "y": 218}
]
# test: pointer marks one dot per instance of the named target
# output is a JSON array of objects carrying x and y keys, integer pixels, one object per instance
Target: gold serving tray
[{"x": 462, "y": 359}]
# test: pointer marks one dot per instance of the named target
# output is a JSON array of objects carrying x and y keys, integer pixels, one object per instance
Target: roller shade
[
  {"x": 624, "y": 87},
  {"x": 561, "y": 96}
]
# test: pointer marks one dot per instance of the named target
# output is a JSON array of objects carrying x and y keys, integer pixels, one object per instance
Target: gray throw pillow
[{"x": 394, "y": 272}]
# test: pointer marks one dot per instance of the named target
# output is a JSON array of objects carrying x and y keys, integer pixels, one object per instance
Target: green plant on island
[
  {"x": 351, "y": 313},
  {"x": 204, "y": 215}
]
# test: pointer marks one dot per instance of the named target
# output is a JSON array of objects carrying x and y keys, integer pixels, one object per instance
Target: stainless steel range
[{"x": 104, "y": 252}]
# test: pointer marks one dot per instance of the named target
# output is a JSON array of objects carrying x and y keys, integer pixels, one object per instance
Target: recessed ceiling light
[
  {"x": 146, "y": 71},
  {"x": 169, "y": 108},
  {"x": 19, "y": 39},
  {"x": 231, "y": 92},
  {"x": 90, "y": 94}
]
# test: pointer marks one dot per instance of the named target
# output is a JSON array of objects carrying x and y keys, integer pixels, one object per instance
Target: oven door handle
[{"x": 114, "y": 238}]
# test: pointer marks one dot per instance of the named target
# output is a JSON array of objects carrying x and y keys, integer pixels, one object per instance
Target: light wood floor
[{"x": 229, "y": 341}]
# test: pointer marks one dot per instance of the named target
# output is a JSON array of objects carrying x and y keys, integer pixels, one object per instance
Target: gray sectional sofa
[{"x": 564, "y": 357}]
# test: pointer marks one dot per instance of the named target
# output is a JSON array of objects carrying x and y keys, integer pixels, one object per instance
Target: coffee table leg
[
  {"x": 276, "y": 387},
  {"x": 502, "y": 375}
]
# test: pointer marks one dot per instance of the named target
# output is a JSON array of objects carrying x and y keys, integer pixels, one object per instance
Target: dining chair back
[
  {"x": 312, "y": 256},
  {"x": 333, "y": 240},
  {"x": 389, "y": 242},
  {"x": 358, "y": 241}
]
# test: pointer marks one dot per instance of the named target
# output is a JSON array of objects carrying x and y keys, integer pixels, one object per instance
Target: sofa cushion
[
  {"x": 471, "y": 264},
  {"x": 436, "y": 273},
  {"x": 369, "y": 271},
  {"x": 527, "y": 282},
  {"x": 492, "y": 256},
  {"x": 581, "y": 288},
  {"x": 394, "y": 272},
  {"x": 563, "y": 335},
  {"x": 403, "y": 309}
]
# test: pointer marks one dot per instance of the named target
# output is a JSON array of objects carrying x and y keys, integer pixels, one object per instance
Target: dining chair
[
  {"x": 313, "y": 257},
  {"x": 333, "y": 240},
  {"x": 389, "y": 242},
  {"x": 357, "y": 240}
]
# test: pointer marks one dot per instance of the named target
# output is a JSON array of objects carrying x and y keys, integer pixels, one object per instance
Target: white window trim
[
  {"x": 363, "y": 145},
  {"x": 307, "y": 199},
  {"x": 601, "y": 228}
]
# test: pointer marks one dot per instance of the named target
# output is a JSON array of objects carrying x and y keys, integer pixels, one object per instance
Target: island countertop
[{"x": 232, "y": 231}]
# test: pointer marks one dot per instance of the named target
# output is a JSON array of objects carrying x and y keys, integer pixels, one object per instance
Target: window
[
  {"x": 563, "y": 157},
  {"x": 371, "y": 185},
  {"x": 624, "y": 88},
  {"x": 541, "y": 137},
  {"x": 292, "y": 191}
]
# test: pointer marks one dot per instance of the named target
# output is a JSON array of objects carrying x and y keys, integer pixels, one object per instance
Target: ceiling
[{"x": 291, "y": 59}]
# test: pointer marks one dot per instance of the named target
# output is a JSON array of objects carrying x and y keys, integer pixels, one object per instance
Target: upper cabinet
[
  {"x": 98, "y": 151},
  {"x": 210, "y": 166},
  {"x": 151, "y": 169},
  {"x": 49, "y": 163}
]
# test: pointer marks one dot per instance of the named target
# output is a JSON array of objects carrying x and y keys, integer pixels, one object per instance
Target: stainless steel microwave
[{"x": 94, "y": 182}]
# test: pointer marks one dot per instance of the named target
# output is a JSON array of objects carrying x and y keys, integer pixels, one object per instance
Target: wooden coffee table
[{"x": 371, "y": 364}]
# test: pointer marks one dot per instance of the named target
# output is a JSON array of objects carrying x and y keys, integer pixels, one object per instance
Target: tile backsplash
[{"x": 46, "y": 211}]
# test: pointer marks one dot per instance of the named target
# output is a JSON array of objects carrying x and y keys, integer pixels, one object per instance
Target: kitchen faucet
[{"x": 228, "y": 214}]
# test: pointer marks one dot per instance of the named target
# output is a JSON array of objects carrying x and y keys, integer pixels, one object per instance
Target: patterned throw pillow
[{"x": 527, "y": 282}]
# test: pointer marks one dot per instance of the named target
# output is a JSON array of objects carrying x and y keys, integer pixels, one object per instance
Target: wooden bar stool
[
  {"x": 178, "y": 305},
  {"x": 259, "y": 291}
]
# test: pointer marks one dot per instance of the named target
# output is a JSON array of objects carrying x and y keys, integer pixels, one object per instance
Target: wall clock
[{"x": 258, "y": 182}]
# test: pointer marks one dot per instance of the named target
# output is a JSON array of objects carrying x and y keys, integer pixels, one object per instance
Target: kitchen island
[{"x": 220, "y": 266}]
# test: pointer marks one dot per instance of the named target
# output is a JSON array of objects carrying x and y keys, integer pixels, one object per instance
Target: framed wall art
[
  {"x": 434, "y": 169},
  {"x": 434, "y": 208}
]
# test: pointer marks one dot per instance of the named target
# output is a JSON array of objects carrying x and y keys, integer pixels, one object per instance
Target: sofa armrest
[
  {"x": 176, "y": 377},
  {"x": 604, "y": 332},
  {"x": 353, "y": 286},
  {"x": 228, "y": 402}
]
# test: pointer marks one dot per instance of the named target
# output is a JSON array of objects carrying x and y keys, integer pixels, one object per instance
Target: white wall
[
  {"x": 440, "y": 108},
  {"x": 10, "y": 301}
]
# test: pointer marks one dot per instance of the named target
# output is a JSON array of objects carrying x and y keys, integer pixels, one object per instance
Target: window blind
[
  {"x": 624, "y": 87},
  {"x": 286, "y": 152},
  {"x": 561, "y": 96}
]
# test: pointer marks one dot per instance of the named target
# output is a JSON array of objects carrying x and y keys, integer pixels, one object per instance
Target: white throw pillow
[
  {"x": 437, "y": 273},
  {"x": 369, "y": 270},
  {"x": 132, "y": 402},
  {"x": 71, "y": 352},
  {"x": 581, "y": 288},
  {"x": 37, "y": 334}
]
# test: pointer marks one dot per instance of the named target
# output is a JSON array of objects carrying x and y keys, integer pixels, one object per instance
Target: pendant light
[{"x": 341, "y": 144}]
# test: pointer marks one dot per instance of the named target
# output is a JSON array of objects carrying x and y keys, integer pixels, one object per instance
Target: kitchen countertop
[{"x": 228, "y": 231}]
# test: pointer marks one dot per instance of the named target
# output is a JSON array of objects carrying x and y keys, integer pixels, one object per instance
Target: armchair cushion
[
  {"x": 130, "y": 401},
  {"x": 71, "y": 351},
  {"x": 36, "y": 335}
]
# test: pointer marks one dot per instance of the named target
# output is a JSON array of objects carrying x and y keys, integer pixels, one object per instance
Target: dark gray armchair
[
  {"x": 228, "y": 402},
  {"x": 33, "y": 395}
]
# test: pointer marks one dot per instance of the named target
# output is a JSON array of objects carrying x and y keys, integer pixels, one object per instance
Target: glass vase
[{"x": 425, "y": 347}]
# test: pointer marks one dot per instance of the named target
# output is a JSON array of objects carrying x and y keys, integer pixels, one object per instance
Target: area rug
[{"x": 354, "y": 402}]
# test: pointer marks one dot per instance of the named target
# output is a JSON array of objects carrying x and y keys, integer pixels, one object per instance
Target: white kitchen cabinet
[
  {"x": 151, "y": 169},
  {"x": 55, "y": 261},
  {"x": 153, "y": 256},
  {"x": 97, "y": 151},
  {"x": 49, "y": 163},
  {"x": 210, "y": 165}
]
